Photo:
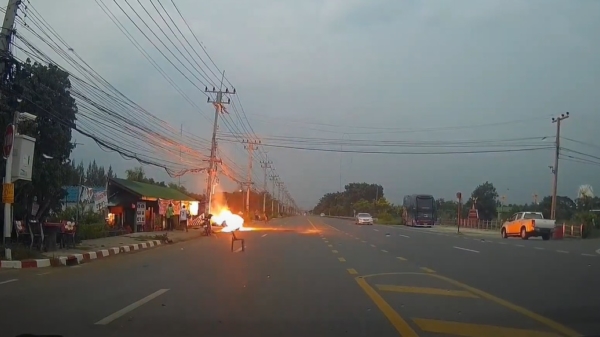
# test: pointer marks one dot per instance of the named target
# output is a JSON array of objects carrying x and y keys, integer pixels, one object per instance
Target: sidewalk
[{"x": 94, "y": 249}]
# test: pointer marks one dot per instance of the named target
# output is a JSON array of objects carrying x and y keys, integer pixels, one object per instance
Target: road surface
[{"x": 313, "y": 276}]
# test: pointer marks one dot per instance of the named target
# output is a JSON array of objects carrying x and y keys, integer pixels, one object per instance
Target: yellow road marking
[
  {"x": 401, "y": 258},
  {"x": 341, "y": 259},
  {"x": 373, "y": 245},
  {"x": 397, "y": 321},
  {"x": 426, "y": 291},
  {"x": 525, "y": 312},
  {"x": 352, "y": 271},
  {"x": 383, "y": 250},
  {"x": 334, "y": 251},
  {"x": 511, "y": 306},
  {"x": 330, "y": 245},
  {"x": 475, "y": 330},
  {"x": 427, "y": 270}
]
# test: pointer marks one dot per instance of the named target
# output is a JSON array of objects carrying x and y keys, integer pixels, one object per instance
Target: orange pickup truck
[{"x": 528, "y": 224}]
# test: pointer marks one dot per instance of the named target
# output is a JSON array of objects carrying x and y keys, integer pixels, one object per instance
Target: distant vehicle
[
  {"x": 528, "y": 224},
  {"x": 419, "y": 210},
  {"x": 363, "y": 219},
  {"x": 322, "y": 214}
]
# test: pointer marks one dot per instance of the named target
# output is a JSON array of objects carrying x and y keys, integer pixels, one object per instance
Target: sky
[{"x": 339, "y": 71}]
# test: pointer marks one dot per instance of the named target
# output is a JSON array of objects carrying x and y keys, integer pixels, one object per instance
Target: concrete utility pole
[
  {"x": 265, "y": 164},
  {"x": 180, "y": 157},
  {"x": 558, "y": 121},
  {"x": 280, "y": 188},
  {"x": 251, "y": 145},
  {"x": 219, "y": 104},
  {"x": 5, "y": 54},
  {"x": 273, "y": 178}
]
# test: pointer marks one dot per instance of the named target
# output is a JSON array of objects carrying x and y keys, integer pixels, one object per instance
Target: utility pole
[
  {"x": 280, "y": 187},
  {"x": 219, "y": 105},
  {"x": 250, "y": 146},
  {"x": 558, "y": 121},
  {"x": 265, "y": 164},
  {"x": 5, "y": 55},
  {"x": 273, "y": 178},
  {"x": 180, "y": 158}
]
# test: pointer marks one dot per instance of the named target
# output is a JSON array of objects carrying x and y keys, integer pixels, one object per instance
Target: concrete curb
[{"x": 76, "y": 259}]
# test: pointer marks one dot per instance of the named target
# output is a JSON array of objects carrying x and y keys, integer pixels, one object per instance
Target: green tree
[
  {"x": 362, "y": 206},
  {"x": 45, "y": 92},
  {"x": 136, "y": 174},
  {"x": 341, "y": 203},
  {"x": 486, "y": 198}
]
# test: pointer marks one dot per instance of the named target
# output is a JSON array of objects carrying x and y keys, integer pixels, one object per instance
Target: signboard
[
  {"x": 140, "y": 213},
  {"x": 100, "y": 201},
  {"x": 8, "y": 193},
  {"x": 473, "y": 214},
  {"x": 22, "y": 160},
  {"x": 9, "y": 137}
]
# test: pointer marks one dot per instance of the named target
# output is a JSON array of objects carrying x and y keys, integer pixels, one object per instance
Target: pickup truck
[{"x": 528, "y": 224}]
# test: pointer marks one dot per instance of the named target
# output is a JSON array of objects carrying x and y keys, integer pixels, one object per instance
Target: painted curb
[{"x": 75, "y": 259}]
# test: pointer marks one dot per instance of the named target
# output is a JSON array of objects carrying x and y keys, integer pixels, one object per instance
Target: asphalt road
[{"x": 312, "y": 276}]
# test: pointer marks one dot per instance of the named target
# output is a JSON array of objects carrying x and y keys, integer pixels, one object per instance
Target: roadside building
[{"x": 140, "y": 206}]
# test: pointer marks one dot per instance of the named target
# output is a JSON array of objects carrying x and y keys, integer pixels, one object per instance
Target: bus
[{"x": 419, "y": 210}]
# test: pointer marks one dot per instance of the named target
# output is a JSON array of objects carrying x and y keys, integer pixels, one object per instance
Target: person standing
[
  {"x": 170, "y": 212},
  {"x": 183, "y": 217}
]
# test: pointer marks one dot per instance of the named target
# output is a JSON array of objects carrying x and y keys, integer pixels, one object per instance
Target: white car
[
  {"x": 363, "y": 219},
  {"x": 322, "y": 214}
]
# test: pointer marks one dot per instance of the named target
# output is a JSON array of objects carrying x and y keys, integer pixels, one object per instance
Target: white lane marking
[
  {"x": 106, "y": 320},
  {"x": 9, "y": 281},
  {"x": 598, "y": 251},
  {"x": 502, "y": 243},
  {"x": 562, "y": 251},
  {"x": 333, "y": 227},
  {"x": 520, "y": 245},
  {"x": 377, "y": 230},
  {"x": 466, "y": 249},
  {"x": 240, "y": 249},
  {"x": 312, "y": 224},
  {"x": 404, "y": 236},
  {"x": 46, "y": 273},
  {"x": 540, "y": 248},
  {"x": 264, "y": 235},
  {"x": 584, "y": 254}
]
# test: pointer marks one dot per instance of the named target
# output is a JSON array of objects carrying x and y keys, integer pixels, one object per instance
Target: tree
[
  {"x": 341, "y": 203},
  {"x": 44, "y": 92},
  {"x": 136, "y": 174},
  {"x": 486, "y": 200}
]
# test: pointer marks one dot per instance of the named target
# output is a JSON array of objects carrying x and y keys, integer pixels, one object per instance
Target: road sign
[
  {"x": 8, "y": 193},
  {"x": 9, "y": 138}
]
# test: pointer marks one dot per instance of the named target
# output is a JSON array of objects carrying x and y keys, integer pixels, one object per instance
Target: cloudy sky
[{"x": 326, "y": 74}]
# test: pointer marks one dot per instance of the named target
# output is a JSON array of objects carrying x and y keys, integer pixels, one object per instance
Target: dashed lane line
[
  {"x": 341, "y": 259},
  {"x": 384, "y": 251},
  {"x": 401, "y": 258},
  {"x": 334, "y": 251},
  {"x": 562, "y": 251},
  {"x": 425, "y": 269},
  {"x": 9, "y": 281},
  {"x": 108, "y": 319},
  {"x": 372, "y": 245},
  {"x": 352, "y": 271},
  {"x": 466, "y": 249}
]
